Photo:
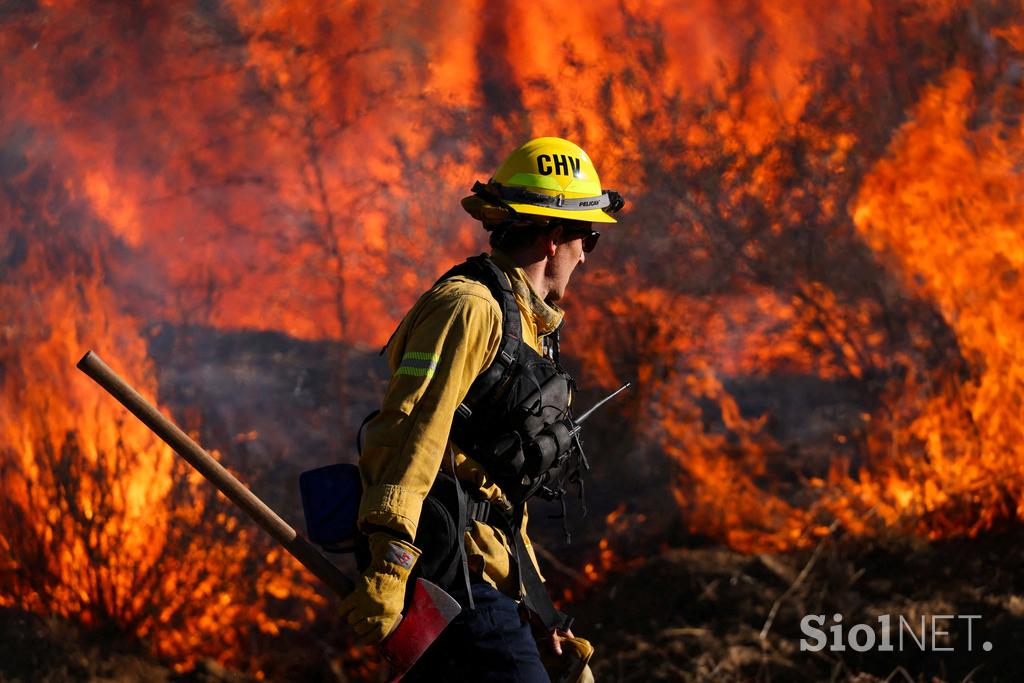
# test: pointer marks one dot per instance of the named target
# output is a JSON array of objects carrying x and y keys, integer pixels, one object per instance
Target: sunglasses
[{"x": 588, "y": 235}]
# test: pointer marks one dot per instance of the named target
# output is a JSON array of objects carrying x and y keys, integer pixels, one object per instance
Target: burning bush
[{"x": 99, "y": 521}]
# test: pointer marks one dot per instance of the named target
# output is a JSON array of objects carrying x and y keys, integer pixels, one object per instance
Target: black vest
[
  {"x": 513, "y": 400},
  {"x": 521, "y": 395}
]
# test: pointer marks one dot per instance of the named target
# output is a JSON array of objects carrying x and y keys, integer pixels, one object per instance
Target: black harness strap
[
  {"x": 532, "y": 590},
  {"x": 485, "y": 271},
  {"x": 461, "y": 523}
]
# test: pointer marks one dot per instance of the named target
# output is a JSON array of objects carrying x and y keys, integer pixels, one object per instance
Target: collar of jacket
[{"x": 547, "y": 317}]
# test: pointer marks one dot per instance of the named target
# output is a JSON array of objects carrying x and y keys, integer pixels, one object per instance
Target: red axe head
[{"x": 429, "y": 613}]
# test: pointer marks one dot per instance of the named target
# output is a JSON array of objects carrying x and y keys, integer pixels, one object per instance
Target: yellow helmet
[{"x": 546, "y": 177}]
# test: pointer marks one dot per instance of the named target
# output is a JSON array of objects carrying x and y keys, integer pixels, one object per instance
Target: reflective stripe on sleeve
[{"x": 418, "y": 364}]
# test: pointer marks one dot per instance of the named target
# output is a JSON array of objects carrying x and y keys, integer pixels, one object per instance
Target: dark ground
[
  {"x": 689, "y": 614},
  {"x": 697, "y": 614}
]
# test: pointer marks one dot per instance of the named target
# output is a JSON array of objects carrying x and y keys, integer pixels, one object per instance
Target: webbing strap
[
  {"x": 484, "y": 270},
  {"x": 534, "y": 592},
  {"x": 478, "y": 511},
  {"x": 461, "y": 521}
]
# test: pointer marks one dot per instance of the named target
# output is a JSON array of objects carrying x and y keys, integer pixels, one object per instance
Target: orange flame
[
  {"x": 943, "y": 206},
  {"x": 99, "y": 520}
]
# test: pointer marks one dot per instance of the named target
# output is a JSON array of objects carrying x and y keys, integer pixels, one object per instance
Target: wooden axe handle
[{"x": 299, "y": 547}]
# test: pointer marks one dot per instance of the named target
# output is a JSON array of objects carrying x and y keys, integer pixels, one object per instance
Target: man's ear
[{"x": 553, "y": 237}]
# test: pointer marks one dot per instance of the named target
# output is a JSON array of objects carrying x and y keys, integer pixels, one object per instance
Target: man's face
[{"x": 568, "y": 254}]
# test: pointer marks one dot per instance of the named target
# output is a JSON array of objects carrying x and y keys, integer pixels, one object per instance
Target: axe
[{"x": 430, "y": 610}]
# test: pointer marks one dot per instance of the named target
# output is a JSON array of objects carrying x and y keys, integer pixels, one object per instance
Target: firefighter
[{"x": 484, "y": 326}]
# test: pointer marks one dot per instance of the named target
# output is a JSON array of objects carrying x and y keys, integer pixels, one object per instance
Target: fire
[
  {"x": 943, "y": 206},
  {"x": 823, "y": 198},
  {"x": 99, "y": 521},
  {"x": 620, "y": 529},
  {"x": 933, "y": 452},
  {"x": 616, "y": 523}
]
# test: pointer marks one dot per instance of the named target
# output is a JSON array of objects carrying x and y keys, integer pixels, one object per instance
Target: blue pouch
[{"x": 330, "y": 503}]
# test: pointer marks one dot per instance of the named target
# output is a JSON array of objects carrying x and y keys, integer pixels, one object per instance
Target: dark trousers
[{"x": 490, "y": 644}]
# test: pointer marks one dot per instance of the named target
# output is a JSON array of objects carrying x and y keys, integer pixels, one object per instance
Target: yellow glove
[
  {"x": 572, "y": 665},
  {"x": 375, "y": 606}
]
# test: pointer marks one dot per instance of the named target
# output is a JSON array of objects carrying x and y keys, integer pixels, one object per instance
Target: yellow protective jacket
[{"x": 444, "y": 342}]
